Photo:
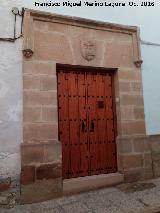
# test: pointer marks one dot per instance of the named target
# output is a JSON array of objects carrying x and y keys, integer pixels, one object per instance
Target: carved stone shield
[{"x": 88, "y": 49}]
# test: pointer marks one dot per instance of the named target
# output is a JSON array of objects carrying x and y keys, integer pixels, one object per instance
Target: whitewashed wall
[
  {"x": 10, "y": 95},
  {"x": 11, "y": 71}
]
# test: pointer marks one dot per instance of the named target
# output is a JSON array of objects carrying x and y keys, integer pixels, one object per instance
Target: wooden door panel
[
  {"x": 91, "y": 108},
  {"x": 75, "y": 162},
  {"x": 62, "y": 96},
  {"x": 111, "y": 159},
  {"x": 64, "y": 136},
  {"x": 74, "y": 133},
  {"x": 101, "y": 112},
  {"x": 72, "y": 84},
  {"x": 110, "y": 131},
  {"x": 86, "y": 123},
  {"x": 84, "y": 160},
  {"x": 83, "y": 138},
  {"x": 73, "y": 108}
]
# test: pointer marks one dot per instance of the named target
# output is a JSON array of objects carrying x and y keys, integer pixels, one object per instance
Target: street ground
[{"x": 140, "y": 197}]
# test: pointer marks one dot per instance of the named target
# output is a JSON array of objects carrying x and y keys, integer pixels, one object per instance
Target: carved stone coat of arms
[{"x": 88, "y": 49}]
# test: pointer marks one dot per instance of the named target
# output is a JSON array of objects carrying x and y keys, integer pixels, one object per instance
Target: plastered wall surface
[
  {"x": 11, "y": 71},
  {"x": 10, "y": 95}
]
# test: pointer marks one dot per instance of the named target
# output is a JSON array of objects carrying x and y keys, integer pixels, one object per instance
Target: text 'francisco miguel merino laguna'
[
  {"x": 79, "y": 4},
  {"x": 94, "y": 4}
]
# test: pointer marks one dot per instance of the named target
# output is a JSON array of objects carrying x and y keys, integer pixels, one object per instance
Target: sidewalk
[{"x": 141, "y": 197}]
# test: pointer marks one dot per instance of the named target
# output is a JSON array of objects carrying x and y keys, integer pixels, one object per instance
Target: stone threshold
[{"x": 76, "y": 185}]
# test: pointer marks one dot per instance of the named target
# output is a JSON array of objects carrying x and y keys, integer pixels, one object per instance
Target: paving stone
[
  {"x": 103, "y": 191},
  {"x": 152, "y": 200},
  {"x": 49, "y": 203},
  {"x": 98, "y": 202},
  {"x": 75, "y": 207},
  {"x": 108, "y": 210},
  {"x": 3, "y": 211},
  {"x": 107, "y": 200},
  {"x": 124, "y": 202},
  {"x": 141, "y": 194},
  {"x": 46, "y": 209},
  {"x": 17, "y": 209},
  {"x": 135, "y": 187},
  {"x": 131, "y": 206},
  {"x": 157, "y": 183},
  {"x": 151, "y": 210},
  {"x": 73, "y": 198},
  {"x": 116, "y": 197},
  {"x": 67, "y": 200}
]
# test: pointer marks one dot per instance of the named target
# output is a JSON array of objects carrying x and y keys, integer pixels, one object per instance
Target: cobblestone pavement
[{"x": 106, "y": 200}]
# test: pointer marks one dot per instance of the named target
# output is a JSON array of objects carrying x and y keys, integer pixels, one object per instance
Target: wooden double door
[{"x": 86, "y": 123}]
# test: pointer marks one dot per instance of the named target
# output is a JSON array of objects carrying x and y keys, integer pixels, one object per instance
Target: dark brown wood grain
[{"x": 86, "y": 122}]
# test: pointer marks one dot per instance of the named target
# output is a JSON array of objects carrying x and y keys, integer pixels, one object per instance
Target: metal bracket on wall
[{"x": 16, "y": 13}]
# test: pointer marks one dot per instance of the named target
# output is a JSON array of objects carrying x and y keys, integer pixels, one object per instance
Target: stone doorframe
[{"x": 50, "y": 39}]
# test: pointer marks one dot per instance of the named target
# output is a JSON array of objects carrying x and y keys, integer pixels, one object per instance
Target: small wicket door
[{"x": 86, "y": 123}]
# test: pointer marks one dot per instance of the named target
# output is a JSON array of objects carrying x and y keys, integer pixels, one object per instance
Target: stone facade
[{"x": 52, "y": 40}]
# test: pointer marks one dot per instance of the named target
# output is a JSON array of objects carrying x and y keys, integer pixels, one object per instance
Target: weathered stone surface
[
  {"x": 133, "y": 175},
  {"x": 58, "y": 28},
  {"x": 53, "y": 152},
  {"x": 48, "y": 83},
  {"x": 32, "y": 114},
  {"x": 136, "y": 186},
  {"x": 156, "y": 168},
  {"x": 131, "y": 99},
  {"x": 50, "y": 114},
  {"x": 40, "y": 132},
  {"x": 129, "y": 75},
  {"x": 133, "y": 128},
  {"x": 132, "y": 161},
  {"x": 49, "y": 171},
  {"x": 156, "y": 155},
  {"x": 124, "y": 86},
  {"x": 148, "y": 160},
  {"x": 148, "y": 173},
  {"x": 139, "y": 144},
  {"x": 156, "y": 163},
  {"x": 27, "y": 175},
  {"x": 52, "y": 46},
  {"x": 124, "y": 145},
  {"x": 139, "y": 112},
  {"x": 39, "y": 68},
  {"x": 40, "y": 25},
  {"x": 31, "y": 82},
  {"x": 32, "y": 153},
  {"x": 123, "y": 52},
  {"x": 81, "y": 184},
  {"x": 155, "y": 142},
  {"x": 78, "y": 49},
  {"x": 37, "y": 98},
  {"x": 127, "y": 113},
  {"x": 41, "y": 152},
  {"x": 136, "y": 86},
  {"x": 41, "y": 190}
]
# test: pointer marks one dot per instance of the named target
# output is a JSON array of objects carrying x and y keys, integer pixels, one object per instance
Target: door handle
[
  {"x": 83, "y": 126},
  {"x": 92, "y": 127}
]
